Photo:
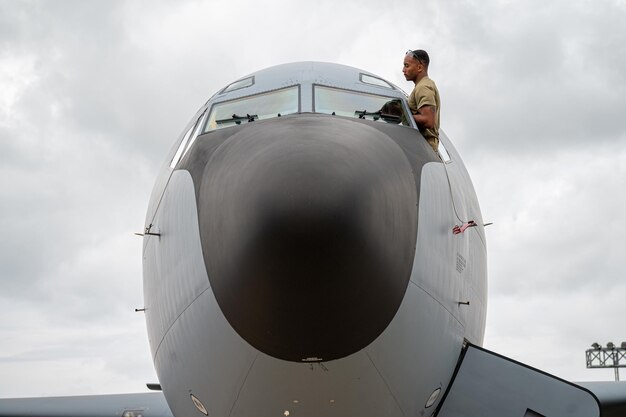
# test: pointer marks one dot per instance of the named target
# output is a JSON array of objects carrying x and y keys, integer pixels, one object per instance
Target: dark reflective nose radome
[{"x": 308, "y": 230}]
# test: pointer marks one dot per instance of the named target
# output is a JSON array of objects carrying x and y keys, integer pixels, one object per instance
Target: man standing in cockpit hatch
[{"x": 424, "y": 99}]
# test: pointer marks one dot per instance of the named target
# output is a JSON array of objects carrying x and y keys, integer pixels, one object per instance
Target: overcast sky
[{"x": 93, "y": 94}]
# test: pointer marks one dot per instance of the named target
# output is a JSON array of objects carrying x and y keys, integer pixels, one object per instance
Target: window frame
[
  {"x": 182, "y": 147},
  {"x": 387, "y": 85},
  {"x": 405, "y": 104},
  {"x": 204, "y": 130},
  {"x": 227, "y": 89},
  {"x": 445, "y": 156}
]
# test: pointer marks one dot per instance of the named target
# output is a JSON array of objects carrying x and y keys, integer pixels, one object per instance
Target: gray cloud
[
  {"x": 538, "y": 74},
  {"x": 94, "y": 94}
]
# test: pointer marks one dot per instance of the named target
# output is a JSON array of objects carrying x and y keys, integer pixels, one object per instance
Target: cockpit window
[
  {"x": 246, "y": 82},
  {"x": 248, "y": 109},
  {"x": 188, "y": 140},
  {"x": 357, "y": 104},
  {"x": 368, "y": 79},
  {"x": 443, "y": 152}
]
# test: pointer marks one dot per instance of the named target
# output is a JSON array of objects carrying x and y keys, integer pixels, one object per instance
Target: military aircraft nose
[{"x": 310, "y": 223}]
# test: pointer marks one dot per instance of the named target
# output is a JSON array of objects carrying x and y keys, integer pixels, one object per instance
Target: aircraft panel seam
[
  {"x": 156, "y": 352},
  {"x": 437, "y": 301},
  {"x": 386, "y": 383},
  {"x": 232, "y": 407}
]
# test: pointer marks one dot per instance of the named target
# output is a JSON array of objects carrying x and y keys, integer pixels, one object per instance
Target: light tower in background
[{"x": 610, "y": 356}]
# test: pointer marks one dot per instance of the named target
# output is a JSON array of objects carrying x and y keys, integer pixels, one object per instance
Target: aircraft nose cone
[{"x": 308, "y": 228}]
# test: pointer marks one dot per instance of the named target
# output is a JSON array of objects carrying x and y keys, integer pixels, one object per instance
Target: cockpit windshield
[
  {"x": 248, "y": 109},
  {"x": 362, "y": 105}
]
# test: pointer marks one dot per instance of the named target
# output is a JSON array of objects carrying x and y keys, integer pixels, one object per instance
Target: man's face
[{"x": 411, "y": 68}]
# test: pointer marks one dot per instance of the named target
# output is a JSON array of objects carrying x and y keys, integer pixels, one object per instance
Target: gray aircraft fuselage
[
  {"x": 300, "y": 256},
  {"x": 308, "y": 254}
]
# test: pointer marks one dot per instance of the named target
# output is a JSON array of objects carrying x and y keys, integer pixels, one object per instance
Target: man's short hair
[{"x": 421, "y": 55}]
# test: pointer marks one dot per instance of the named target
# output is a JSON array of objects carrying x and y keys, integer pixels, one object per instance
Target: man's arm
[{"x": 425, "y": 117}]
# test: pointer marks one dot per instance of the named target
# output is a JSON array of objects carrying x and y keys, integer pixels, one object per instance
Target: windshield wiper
[
  {"x": 238, "y": 119},
  {"x": 378, "y": 115}
]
